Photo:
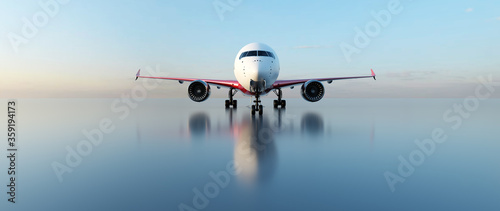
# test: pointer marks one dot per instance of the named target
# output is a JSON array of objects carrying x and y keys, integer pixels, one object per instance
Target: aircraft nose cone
[
  {"x": 263, "y": 70},
  {"x": 254, "y": 71},
  {"x": 259, "y": 70}
]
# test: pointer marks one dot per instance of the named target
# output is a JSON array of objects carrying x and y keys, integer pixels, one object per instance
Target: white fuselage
[{"x": 256, "y": 68}]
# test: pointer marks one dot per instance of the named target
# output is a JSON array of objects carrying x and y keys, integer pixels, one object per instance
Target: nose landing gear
[{"x": 257, "y": 107}]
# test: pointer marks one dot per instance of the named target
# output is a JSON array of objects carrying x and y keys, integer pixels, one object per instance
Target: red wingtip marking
[
  {"x": 373, "y": 73},
  {"x": 138, "y": 74}
]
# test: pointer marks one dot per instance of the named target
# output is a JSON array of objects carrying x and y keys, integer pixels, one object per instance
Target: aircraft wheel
[
  {"x": 227, "y": 103},
  {"x": 253, "y": 109},
  {"x": 261, "y": 111},
  {"x": 235, "y": 103},
  {"x": 283, "y": 103},
  {"x": 275, "y": 103}
]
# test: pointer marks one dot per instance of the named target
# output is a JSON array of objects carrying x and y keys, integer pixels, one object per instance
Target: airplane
[{"x": 256, "y": 68}]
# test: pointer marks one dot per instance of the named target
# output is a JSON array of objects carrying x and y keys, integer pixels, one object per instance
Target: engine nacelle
[
  {"x": 198, "y": 91},
  {"x": 312, "y": 91}
]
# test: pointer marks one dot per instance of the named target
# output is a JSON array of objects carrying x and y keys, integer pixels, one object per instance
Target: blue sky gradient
[{"x": 93, "y": 48}]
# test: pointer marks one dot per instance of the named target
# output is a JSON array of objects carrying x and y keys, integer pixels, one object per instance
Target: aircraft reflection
[
  {"x": 312, "y": 125},
  {"x": 199, "y": 125},
  {"x": 255, "y": 150}
]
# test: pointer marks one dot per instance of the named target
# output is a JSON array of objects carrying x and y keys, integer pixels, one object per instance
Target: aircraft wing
[
  {"x": 225, "y": 83},
  {"x": 285, "y": 83}
]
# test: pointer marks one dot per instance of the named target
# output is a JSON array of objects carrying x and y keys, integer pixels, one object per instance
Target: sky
[{"x": 92, "y": 49}]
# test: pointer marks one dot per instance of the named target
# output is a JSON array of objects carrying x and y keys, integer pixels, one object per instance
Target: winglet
[
  {"x": 373, "y": 75},
  {"x": 138, "y": 74}
]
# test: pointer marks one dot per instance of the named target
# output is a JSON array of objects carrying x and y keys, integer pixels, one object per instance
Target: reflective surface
[{"x": 174, "y": 154}]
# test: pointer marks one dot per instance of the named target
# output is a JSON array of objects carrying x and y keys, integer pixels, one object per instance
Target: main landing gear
[
  {"x": 279, "y": 102},
  {"x": 232, "y": 102},
  {"x": 257, "y": 107}
]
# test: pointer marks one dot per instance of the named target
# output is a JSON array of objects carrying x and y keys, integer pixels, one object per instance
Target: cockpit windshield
[
  {"x": 256, "y": 53},
  {"x": 252, "y": 53},
  {"x": 262, "y": 53}
]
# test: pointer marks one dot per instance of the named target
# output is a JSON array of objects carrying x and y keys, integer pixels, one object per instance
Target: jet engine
[
  {"x": 199, "y": 91},
  {"x": 312, "y": 91}
]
